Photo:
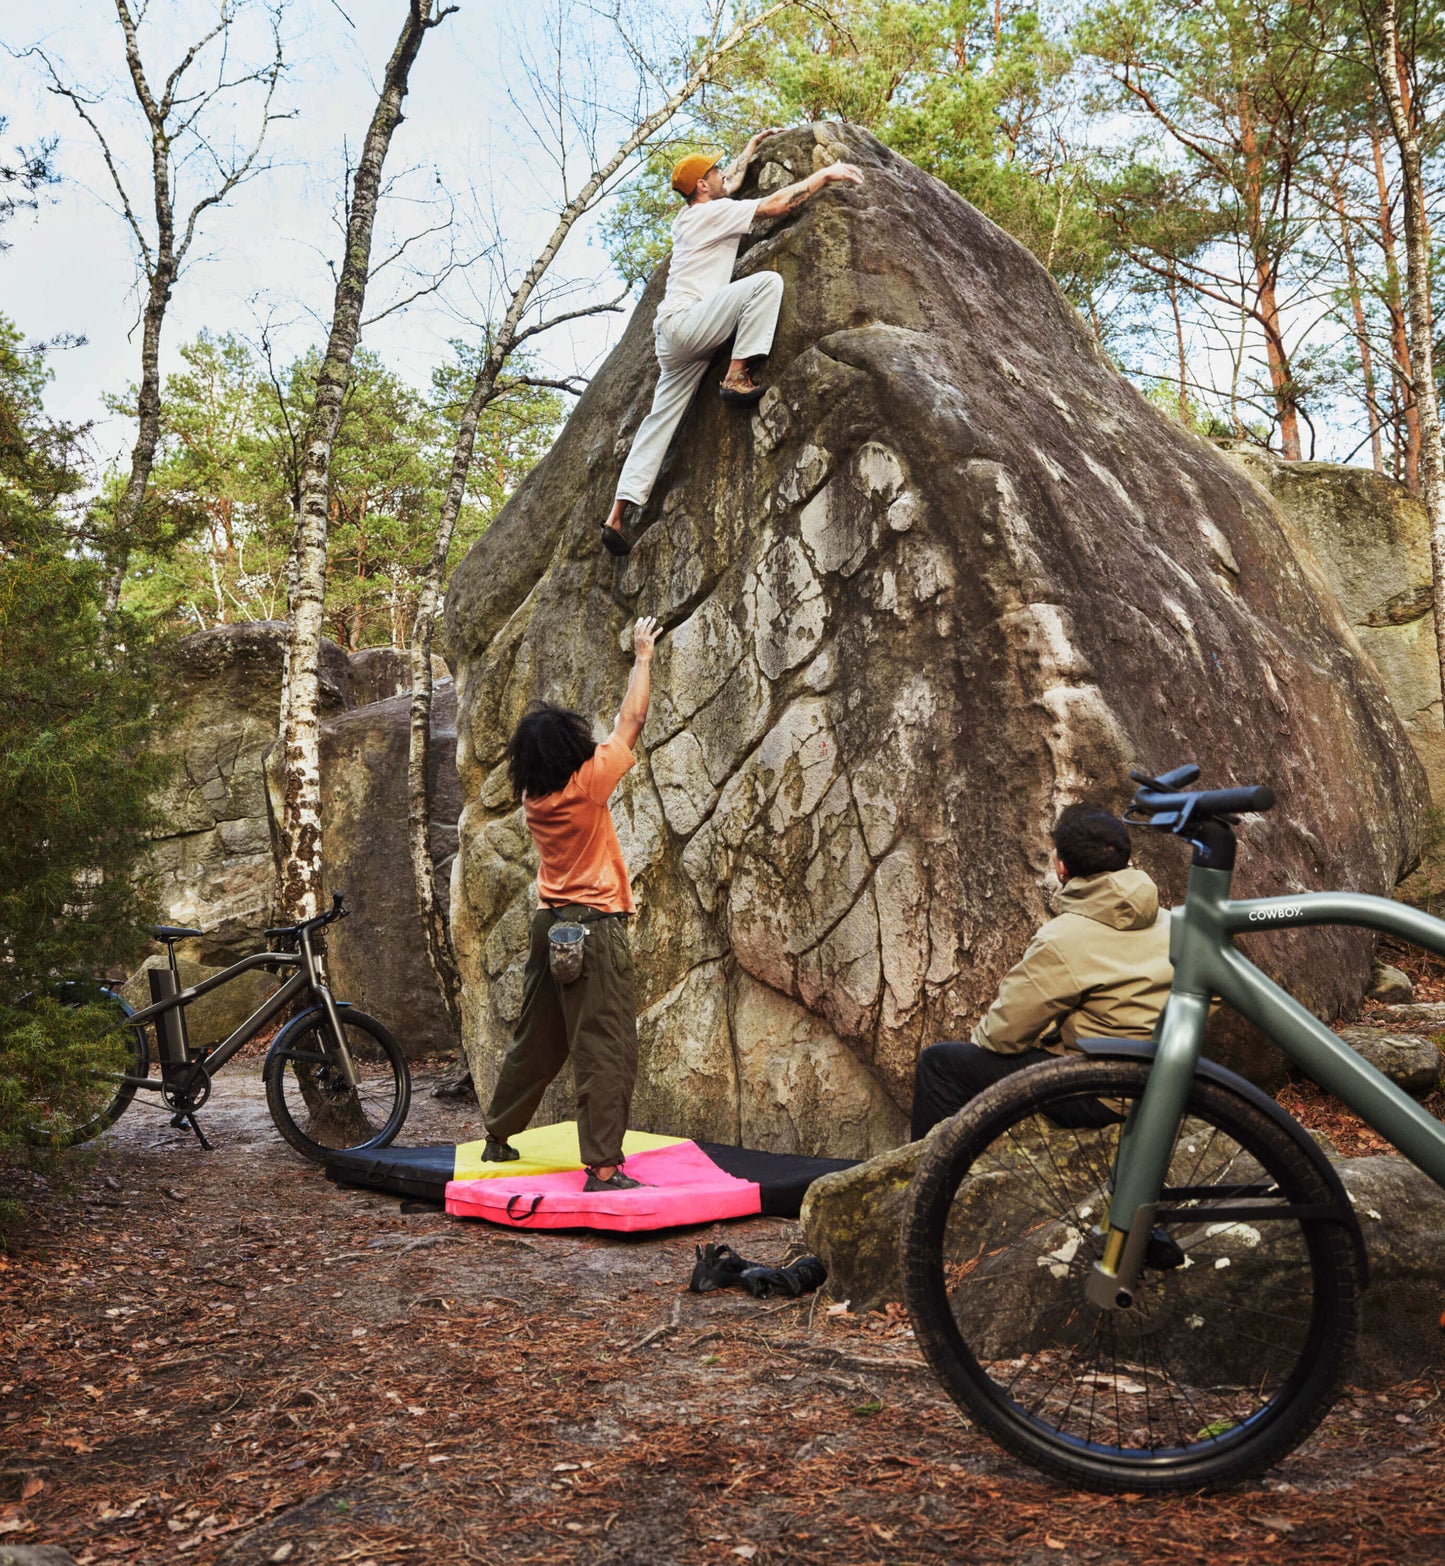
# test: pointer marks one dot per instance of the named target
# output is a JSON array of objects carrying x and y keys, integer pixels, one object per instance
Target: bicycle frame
[
  {"x": 1206, "y": 964},
  {"x": 305, "y": 978}
]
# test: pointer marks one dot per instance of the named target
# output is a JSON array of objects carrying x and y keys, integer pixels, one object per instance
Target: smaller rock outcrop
[
  {"x": 213, "y": 1017},
  {"x": 1371, "y": 538},
  {"x": 1391, "y": 986},
  {"x": 213, "y": 856},
  {"x": 1406, "y": 1059},
  {"x": 851, "y": 1220},
  {"x": 376, "y": 958}
]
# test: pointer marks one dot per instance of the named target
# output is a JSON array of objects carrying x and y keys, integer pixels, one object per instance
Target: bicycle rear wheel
[
  {"x": 307, "y": 1093},
  {"x": 55, "y": 1113},
  {"x": 1241, "y": 1331}
]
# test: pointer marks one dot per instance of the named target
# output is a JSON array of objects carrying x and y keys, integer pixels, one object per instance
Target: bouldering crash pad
[{"x": 684, "y": 1182}]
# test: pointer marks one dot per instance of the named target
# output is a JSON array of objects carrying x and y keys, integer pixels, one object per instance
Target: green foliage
[
  {"x": 230, "y": 455},
  {"x": 77, "y": 704},
  {"x": 976, "y": 94},
  {"x": 50, "y": 1053}
]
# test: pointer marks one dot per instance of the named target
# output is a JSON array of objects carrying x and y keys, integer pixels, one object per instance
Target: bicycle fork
[
  {"x": 338, "y": 1037},
  {"x": 333, "y": 1017},
  {"x": 1146, "y": 1144}
]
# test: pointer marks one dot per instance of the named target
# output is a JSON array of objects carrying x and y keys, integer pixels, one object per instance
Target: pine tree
[{"x": 76, "y": 781}]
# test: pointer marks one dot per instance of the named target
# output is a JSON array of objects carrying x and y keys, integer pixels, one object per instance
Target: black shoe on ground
[
  {"x": 718, "y": 1267},
  {"x": 1163, "y": 1252},
  {"x": 798, "y": 1278},
  {"x": 496, "y": 1152}
]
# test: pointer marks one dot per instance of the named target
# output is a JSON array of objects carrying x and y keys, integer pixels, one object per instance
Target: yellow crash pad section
[{"x": 547, "y": 1150}]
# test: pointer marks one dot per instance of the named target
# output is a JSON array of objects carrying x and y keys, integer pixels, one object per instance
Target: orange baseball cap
[{"x": 688, "y": 171}]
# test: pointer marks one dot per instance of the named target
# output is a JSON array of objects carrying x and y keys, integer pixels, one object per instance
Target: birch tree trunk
[
  {"x": 485, "y": 390},
  {"x": 299, "y": 892},
  {"x": 1390, "y": 69}
]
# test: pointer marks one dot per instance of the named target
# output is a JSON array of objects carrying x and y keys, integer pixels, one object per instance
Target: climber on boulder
[
  {"x": 702, "y": 308},
  {"x": 563, "y": 779}
]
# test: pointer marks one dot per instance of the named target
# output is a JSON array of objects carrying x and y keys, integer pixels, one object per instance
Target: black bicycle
[{"x": 334, "y": 1077}]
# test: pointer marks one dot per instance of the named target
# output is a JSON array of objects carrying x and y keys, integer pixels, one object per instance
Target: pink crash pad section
[{"x": 680, "y": 1185}]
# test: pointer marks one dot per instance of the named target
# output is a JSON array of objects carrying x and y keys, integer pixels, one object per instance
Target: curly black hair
[
  {"x": 1090, "y": 840},
  {"x": 549, "y": 744}
]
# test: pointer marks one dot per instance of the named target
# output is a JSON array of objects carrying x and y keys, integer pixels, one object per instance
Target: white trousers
[{"x": 686, "y": 341}]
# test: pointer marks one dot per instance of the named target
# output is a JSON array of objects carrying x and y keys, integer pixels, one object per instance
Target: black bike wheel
[
  {"x": 307, "y": 1095},
  {"x": 53, "y": 1122},
  {"x": 1242, "y": 1329}
]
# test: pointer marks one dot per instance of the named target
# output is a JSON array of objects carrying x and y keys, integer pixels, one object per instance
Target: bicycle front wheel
[
  {"x": 307, "y": 1092},
  {"x": 1245, "y": 1313}
]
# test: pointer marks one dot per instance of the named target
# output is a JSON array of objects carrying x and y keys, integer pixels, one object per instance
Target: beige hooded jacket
[{"x": 1099, "y": 970}]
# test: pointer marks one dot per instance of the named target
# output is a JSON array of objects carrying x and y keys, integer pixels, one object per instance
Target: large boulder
[
  {"x": 1372, "y": 539},
  {"x": 213, "y": 856},
  {"x": 954, "y": 573},
  {"x": 376, "y": 958}
]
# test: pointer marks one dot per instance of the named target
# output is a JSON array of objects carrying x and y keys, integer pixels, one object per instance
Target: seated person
[{"x": 1099, "y": 970}]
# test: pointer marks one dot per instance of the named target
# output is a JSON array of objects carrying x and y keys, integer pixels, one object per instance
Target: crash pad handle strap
[{"x": 531, "y": 1212}]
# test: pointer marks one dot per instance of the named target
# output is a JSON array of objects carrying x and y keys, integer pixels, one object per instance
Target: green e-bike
[{"x": 1131, "y": 1267}]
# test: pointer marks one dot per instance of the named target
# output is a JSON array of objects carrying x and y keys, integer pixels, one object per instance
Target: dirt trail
[{"x": 222, "y": 1358}]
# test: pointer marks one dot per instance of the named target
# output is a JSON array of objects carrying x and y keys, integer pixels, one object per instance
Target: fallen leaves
[{"x": 386, "y": 1401}]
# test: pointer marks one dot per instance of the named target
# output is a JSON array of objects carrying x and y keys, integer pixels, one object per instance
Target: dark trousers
[
  {"x": 951, "y": 1073},
  {"x": 593, "y": 1019}
]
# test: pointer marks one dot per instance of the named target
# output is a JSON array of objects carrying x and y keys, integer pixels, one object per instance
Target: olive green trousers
[{"x": 593, "y": 1019}]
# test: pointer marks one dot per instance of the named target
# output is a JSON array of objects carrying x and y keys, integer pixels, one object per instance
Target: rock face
[
  {"x": 214, "y": 861},
  {"x": 376, "y": 958},
  {"x": 953, "y": 574},
  {"x": 1372, "y": 540}
]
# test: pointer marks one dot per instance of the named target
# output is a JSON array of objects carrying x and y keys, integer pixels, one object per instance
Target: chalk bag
[{"x": 565, "y": 946}]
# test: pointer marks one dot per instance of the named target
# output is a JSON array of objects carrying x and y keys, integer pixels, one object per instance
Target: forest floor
[{"x": 223, "y": 1358}]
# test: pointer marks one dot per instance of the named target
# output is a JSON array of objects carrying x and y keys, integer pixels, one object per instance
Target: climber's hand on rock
[
  {"x": 644, "y": 636},
  {"x": 757, "y": 140},
  {"x": 842, "y": 174}
]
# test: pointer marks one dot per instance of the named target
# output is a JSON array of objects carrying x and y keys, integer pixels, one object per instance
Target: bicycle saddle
[{"x": 172, "y": 932}]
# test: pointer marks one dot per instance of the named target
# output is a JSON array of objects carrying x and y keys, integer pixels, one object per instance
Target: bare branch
[
  {"x": 535, "y": 330},
  {"x": 574, "y": 385}
]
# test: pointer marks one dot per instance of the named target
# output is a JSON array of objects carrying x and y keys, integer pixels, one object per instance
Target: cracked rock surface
[{"x": 950, "y": 575}]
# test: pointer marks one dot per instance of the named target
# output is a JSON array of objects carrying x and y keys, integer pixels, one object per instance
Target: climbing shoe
[
  {"x": 799, "y": 1277},
  {"x": 718, "y": 1267},
  {"x": 496, "y": 1152},
  {"x": 616, "y": 1181}
]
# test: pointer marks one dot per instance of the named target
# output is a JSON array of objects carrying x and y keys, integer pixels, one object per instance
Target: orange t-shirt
[{"x": 573, "y": 831}]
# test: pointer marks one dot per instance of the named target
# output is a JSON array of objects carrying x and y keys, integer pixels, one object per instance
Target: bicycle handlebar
[
  {"x": 1163, "y": 805},
  {"x": 335, "y": 912}
]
